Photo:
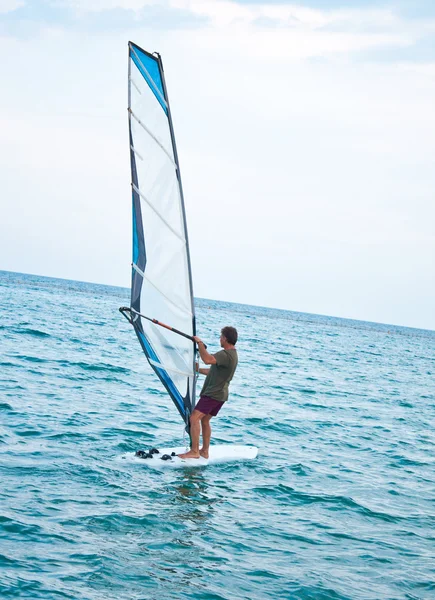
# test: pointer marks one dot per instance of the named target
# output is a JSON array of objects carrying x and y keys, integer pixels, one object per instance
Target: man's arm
[
  {"x": 202, "y": 371},
  {"x": 207, "y": 358}
]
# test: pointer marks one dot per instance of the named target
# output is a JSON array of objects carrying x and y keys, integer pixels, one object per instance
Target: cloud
[
  {"x": 305, "y": 167},
  {"x": 7, "y": 6},
  {"x": 102, "y": 16},
  {"x": 281, "y": 31},
  {"x": 104, "y": 5}
]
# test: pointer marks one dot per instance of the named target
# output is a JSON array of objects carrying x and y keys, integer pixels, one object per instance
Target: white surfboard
[{"x": 219, "y": 453}]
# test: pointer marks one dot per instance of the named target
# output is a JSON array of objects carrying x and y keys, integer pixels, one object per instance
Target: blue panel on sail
[{"x": 150, "y": 71}]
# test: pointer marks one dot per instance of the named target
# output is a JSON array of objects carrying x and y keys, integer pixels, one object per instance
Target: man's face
[{"x": 222, "y": 340}]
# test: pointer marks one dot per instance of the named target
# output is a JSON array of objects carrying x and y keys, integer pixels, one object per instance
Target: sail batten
[
  {"x": 153, "y": 137},
  {"x": 161, "y": 217},
  {"x": 132, "y": 81},
  {"x": 169, "y": 369},
  {"x": 166, "y": 296},
  {"x": 161, "y": 272},
  {"x": 133, "y": 149}
]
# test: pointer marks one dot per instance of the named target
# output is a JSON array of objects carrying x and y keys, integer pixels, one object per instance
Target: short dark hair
[{"x": 230, "y": 334}]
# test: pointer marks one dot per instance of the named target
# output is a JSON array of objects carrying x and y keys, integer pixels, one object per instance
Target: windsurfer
[{"x": 214, "y": 391}]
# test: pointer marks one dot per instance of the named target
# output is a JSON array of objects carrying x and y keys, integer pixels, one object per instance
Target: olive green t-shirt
[{"x": 218, "y": 379}]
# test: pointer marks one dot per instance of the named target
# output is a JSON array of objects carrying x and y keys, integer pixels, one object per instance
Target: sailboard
[
  {"x": 168, "y": 457},
  {"x": 161, "y": 275}
]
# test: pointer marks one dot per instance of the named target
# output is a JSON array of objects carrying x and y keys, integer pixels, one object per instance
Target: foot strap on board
[
  {"x": 147, "y": 453},
  {"x": 150, "y": 454}
]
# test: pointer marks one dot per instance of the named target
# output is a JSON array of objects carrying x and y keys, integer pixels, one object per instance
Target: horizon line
[{"x": 230, "y": 302}]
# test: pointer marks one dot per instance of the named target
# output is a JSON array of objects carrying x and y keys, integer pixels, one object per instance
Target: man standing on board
[{"x": 214, "y": 391}]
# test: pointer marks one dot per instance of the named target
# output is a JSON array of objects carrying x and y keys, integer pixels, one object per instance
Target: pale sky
[{"x": 305, "y": 132}]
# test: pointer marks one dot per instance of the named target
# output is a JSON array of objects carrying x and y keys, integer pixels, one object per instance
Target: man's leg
[
  {"x": 206, "y": 435},
  {"x": 195, "y": 430}
]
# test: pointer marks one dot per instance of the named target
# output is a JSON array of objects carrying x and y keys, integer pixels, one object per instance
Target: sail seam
[
  {"x": 137, "y": 190},
  {"x": 138, "y": 270},
  {"x": 156, "y": 89},
  {"x": 151, "y": 134}
]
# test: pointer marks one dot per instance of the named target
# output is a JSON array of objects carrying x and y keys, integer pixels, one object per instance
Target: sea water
[{"x": 338, "y": 505}]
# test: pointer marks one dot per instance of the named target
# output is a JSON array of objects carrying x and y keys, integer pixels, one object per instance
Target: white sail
[{"x": 161, "y": 274}]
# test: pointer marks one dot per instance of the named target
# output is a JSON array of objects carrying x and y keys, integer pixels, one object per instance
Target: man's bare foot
[
  {"x": 190, "y": 454},
  {"x": 203, "y": 453}
]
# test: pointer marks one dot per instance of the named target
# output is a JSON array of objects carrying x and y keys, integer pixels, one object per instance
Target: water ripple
[{"x": 339, "y": 504}]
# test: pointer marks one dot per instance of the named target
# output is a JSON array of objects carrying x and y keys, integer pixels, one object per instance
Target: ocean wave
[{"x": 340, "y": 494}]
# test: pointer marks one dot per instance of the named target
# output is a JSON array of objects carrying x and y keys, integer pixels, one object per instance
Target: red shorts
[{"x": 209, "y": 406}]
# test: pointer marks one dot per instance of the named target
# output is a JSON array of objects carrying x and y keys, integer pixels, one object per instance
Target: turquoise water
[{"x": 339, "y": 504}]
